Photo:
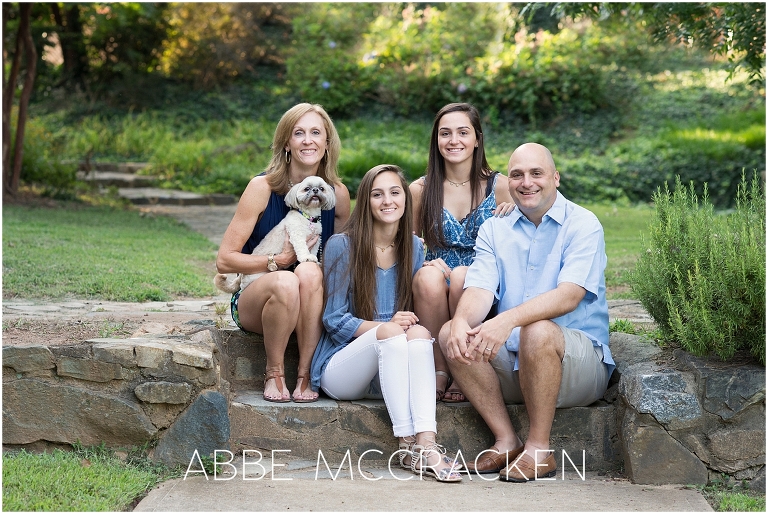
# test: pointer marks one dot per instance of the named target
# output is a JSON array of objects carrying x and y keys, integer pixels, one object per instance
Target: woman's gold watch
[{"x": 271, "y": 264}]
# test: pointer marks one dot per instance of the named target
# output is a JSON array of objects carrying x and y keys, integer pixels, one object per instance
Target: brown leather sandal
[
  {"x": 307, "y": 382},
  {"x": 278, "y": 377}
]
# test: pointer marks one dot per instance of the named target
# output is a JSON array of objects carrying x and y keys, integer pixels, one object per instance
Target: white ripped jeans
[{"x": 406, "y": 376}]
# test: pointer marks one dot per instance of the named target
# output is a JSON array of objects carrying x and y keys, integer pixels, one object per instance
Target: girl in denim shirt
[{"x": 374, "y": 346}]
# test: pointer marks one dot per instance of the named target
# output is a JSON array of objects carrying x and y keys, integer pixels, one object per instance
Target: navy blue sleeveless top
[{"x": 274, "y": 213}]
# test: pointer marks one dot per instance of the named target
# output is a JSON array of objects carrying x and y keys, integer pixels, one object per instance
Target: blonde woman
[
  {"x": 375, "y": 347},
  {"x": 289, "y": 298}
]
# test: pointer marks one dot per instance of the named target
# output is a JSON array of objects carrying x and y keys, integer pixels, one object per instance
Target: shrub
[
  {"x": 323, "y": 66},
  {"x": 418, "y": 56},
  {"x": 211, "y": 44},
  {"x": 42, "y": 162},
  {"x": 702, "y": 277},
  {"x": 413, "y": 59}
]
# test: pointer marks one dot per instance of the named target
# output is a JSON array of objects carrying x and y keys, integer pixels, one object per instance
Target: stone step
[
  {"x": 246, "y": 359},
  {"x": 588, "y": 435},
  {"x": 117, "y": 179},
  {"x": 335, "y": 426},
  {"x": 120, "y": 167},
  {"x": 157, "y": 196}
]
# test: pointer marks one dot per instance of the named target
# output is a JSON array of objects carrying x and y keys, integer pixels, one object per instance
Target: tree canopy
[{"x": 735, "y": 30}]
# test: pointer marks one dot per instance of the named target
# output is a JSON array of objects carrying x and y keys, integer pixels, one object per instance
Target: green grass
[
  {"x": 727, "y": 495},
  {"x": 740, "y": 502},
  {"x": 118, "y": 255},
  {"x": 74, "y": 481},
  {"x": 623, "y": 226},
  {"x": 100, "y": 252}
]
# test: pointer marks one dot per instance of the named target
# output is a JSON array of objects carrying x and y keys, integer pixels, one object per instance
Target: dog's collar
[{"x": 312, "y": 219}]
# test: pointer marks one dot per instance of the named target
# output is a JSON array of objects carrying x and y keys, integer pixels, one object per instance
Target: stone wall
[
  {"x": 668, "y": 419},
  {"x": 162, "y": 390},
  {"x": 689, "y": 420}
]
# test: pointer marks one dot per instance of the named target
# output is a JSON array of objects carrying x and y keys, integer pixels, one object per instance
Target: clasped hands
[
  {"x": 405, "y": 319},
  {"x": 478, "y": 344}
]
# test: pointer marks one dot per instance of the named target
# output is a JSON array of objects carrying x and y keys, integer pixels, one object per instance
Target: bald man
[{"x": 548, "y": 346}]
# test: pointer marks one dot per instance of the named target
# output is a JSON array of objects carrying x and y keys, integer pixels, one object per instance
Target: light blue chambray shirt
[
  {"x": 520, "y": 261},
  {"x": 339, "y": 321}
]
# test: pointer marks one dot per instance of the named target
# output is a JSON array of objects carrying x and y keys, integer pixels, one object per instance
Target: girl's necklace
[
  {"x": 457, "y": 184},
  {"x": 390, "y": 245}
]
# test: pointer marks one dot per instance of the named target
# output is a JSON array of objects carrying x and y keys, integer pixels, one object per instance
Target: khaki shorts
[{"x": 585, "y": 377}]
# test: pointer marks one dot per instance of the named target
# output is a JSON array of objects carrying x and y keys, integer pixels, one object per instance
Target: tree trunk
[
  {"x": 70, "y": 32},
  {"x": 9, "y": 89},
  {"x": 25, "y": 36}
]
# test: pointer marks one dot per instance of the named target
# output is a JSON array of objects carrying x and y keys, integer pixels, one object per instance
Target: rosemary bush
[{"x": 702, "y": 277}]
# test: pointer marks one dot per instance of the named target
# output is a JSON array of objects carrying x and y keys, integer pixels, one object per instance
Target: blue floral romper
[{"x": 460, "y": 235}]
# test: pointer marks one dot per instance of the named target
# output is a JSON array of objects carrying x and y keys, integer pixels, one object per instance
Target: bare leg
[
  {"x": 430, "y": 304},
  {"x": 482, "y": 389},
  {"x": 267, "y": 307},
  {"x": 309, "y": 324},
  {"x": 542, "y": 348},
  {"x": 456, "y": 289}
]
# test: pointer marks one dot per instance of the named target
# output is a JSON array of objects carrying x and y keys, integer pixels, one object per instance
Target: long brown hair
[
  {"x": 277, "y": 169},
  {"x": 362, "y": 255},
  {"x": 431, "y": 215}
]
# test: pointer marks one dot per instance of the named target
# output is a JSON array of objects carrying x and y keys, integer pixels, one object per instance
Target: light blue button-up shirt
[{"x": 517, "y": 261}]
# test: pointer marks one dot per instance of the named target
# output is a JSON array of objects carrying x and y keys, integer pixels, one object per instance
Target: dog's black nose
[{"x": 315, "y": 190}]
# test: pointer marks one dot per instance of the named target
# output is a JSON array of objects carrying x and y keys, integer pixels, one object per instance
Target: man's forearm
[
  {"x": 474, "y": 305},
  {"x": 546, "y": 306}
]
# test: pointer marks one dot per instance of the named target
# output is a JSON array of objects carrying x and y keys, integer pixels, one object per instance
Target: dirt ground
[{"x": 23, "y": 330}]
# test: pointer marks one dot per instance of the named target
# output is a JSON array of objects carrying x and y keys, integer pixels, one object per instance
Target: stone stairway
[
  {"x": 587, "y": 434},
  {"x": 138, "y": 188},
  {"x": 664, "y": 418}
]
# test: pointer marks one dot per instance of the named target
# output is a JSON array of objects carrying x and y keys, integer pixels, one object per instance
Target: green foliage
[
  {"x": 42, "y": 162},
  {"x": 735, "y": 30},
  {"x": 323, "y": 66},
  {"x": 367, "y": 144},
  {"x": 544, "y": 74},
  {"x": 689, "y": 122},
  {"x": 702, "y": 277},
  {"x": 725, "y": 494},
  {"x": 210, "y": 44},
  {"x": 622, "y": 325},
  {"x": 740, "y": 502},
  {"x": 414, "y": 60},
  {"x": 622, "y": 225},
  {"x": 84, "y": 480},
  {"x": 102, "y": 253},
  {"x": 123, "y": 38},
  {"x": 211, "y": 465},
  {"x": 418, "y": 57}
]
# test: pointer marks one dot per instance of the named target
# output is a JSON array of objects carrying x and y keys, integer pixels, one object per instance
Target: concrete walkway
[{"x": 304, "y": 486}]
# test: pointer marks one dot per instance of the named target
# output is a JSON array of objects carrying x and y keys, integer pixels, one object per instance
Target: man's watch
[{"x": 271, "y": 264}]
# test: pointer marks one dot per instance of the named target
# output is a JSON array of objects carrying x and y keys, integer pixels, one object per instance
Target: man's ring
[{"x": 487, "y": 350}]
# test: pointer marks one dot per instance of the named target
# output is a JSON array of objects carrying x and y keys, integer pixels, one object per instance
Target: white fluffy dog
[{"x": 306, "y": 199}]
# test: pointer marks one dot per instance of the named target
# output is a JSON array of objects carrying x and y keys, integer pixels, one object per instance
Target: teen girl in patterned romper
[{"x": 459, "y": 192}]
